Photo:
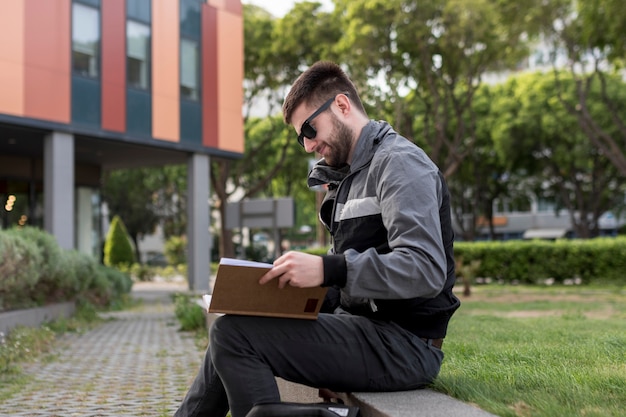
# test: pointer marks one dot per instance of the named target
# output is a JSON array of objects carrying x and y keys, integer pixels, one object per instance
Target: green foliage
[
  {"x": 146, "y": 197},
  {"x": 176, "y": 250},
  {"x": 50, "y": 268},
  {"x": 142, "y": 272},
  {"x": 36, "y": 271},
  {"x": 118, "y": 249},
  {"x": 189, "y": 314},
  {"x": 536, "y": 262},
  {"x": 20, "y": 262}
]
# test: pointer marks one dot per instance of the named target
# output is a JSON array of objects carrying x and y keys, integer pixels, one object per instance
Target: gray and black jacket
[{"x": 389, "y": 217}]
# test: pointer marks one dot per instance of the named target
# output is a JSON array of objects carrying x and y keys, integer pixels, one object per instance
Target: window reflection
[
  {"x": 138, "y": 63},
  {"x": 85, "y": 40},
  {"x": 189, "y": 85}
]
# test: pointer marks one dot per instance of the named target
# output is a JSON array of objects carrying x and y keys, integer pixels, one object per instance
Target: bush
[
  {"x": 20, "y": 269},
  {"x": 118, "y": 249},
  {"x": 34, "y": 270},
  {"x": 142, "y": 272},
  {"x": 189, "y": 314},
  {"x": 51, "y": 266},
  {"x": 532, "y": 262},
  {"x": 175, "y": 250}
]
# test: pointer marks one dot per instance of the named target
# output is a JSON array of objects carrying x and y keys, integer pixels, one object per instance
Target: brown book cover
[{"x": 237, "y": 291}]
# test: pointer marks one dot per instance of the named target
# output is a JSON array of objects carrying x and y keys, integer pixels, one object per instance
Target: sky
[{"x": 280, "y": 7}]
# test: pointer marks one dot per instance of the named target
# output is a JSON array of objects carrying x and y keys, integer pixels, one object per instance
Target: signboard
[{"x": 260, "y": 213}]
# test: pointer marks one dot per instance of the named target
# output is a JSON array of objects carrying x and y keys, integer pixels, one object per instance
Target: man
[{"x": 391, "y": 264}]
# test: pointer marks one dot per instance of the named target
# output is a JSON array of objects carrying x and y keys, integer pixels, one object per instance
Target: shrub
[
  {"x": 51, "y": 263},
  {"x": 532, "y": 262},
  {"x": 34, "y": 270},
  {"x": 20, "y": 269},
  {"x": 175, "y": 250},
  {"x": 118, "y": 249},
  {"x": 142, "y": 272},
  {"x": 189, "y": 314}
]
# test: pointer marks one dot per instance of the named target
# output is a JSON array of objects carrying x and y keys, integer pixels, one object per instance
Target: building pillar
[
  {"x": 198, "y": 233},
  {"x": 58, "y": 187}
]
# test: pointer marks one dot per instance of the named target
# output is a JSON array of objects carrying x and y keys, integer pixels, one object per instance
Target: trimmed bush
[
  {"x": 118, "y": 249},
  {"x": 600, "y": 260},
  {"x": 530, "y": 262}
]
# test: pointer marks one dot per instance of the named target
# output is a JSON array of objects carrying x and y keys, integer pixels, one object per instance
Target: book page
[
  {"x": 207, "y": 300},
  {"x": 242, "y": 262}
]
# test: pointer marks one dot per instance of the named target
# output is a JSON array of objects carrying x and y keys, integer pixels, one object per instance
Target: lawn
[{"x": 539, "y": 351}]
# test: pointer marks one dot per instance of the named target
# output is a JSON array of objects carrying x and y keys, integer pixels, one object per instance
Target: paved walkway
[{"x": 136, "y": 364}]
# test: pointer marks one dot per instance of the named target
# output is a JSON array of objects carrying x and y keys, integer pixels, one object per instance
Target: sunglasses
[{"x": 308, "y": 131}]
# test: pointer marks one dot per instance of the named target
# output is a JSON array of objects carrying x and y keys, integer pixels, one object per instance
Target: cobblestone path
[{"x": 136, "y": 364}]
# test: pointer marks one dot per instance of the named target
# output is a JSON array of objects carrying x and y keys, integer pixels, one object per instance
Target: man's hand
[{"x": 297, "y": 269}]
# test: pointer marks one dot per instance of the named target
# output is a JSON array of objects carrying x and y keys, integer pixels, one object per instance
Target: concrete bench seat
[{"x": 416, "y": 403}]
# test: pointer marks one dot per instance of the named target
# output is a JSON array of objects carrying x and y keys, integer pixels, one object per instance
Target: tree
[
  {"x": 587, "y": 36},
  {"x": 484, "y": 175},
  {"x": 146, "y": 197},
  {"x": 270, "y": 67},
  {"x": 543, "y": 140},
  {"x": 128, "y": 197},
  {"x": 117, "y": 247},
  {"x": 435, "y": 54}
]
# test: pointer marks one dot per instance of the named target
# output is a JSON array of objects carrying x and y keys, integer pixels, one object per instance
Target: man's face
[{"x": 333, "y": 139}]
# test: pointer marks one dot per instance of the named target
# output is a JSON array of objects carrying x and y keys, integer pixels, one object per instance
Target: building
[{"x": 88, "y": 86}]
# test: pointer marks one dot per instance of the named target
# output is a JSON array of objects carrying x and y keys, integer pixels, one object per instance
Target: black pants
[{"x": 341, "y": 352}]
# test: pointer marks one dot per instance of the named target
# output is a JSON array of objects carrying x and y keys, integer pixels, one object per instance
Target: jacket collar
[{"x": 369, "y": 140}]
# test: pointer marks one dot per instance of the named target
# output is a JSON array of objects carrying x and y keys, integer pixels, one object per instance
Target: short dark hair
[{"x": 317, "y": 84}]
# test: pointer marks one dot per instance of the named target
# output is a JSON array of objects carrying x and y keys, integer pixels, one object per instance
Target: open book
[{"x": 237, "y": 291}]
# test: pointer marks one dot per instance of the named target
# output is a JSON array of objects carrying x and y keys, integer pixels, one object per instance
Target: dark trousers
[{"x": 341, "y": 352}]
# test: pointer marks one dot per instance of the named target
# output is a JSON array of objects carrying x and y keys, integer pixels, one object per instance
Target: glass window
[
  {"x": 85, "y": 40},
  {"x": 138, "y": 57},
  {"x": 94, "y": 3},
  {"x": 190, "y": 18},
  {"x": 189, "y": 63},
  {"x": 546, "y": 204},
  {"x": 138, "y": 10}
]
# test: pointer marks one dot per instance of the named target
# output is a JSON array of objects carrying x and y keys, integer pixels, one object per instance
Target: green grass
[{"x": 539, "y": 351}]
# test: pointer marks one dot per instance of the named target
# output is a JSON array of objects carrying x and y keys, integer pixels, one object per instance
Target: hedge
[
  {"x": 600, "y": 260},
  {"x": 35, "y": 270}
]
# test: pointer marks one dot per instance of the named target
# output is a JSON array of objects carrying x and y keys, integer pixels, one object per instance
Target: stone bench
[{"x": 416, "y": 403}]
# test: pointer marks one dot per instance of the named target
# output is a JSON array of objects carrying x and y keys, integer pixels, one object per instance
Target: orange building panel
[
  {"x": 114, "y": 65},
  {"x": 209, "y": 77},
  {"x": 165, "y": 70},
  {"x": 47, "y": 60},
  {"x": 229, "y": 61},
  {"x": 12, "y": 58}
]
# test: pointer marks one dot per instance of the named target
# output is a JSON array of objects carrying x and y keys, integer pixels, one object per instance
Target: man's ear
[{"x": 343, "y": 103}]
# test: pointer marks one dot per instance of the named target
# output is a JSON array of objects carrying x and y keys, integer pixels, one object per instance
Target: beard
[{"x": 341, "y": 145}]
